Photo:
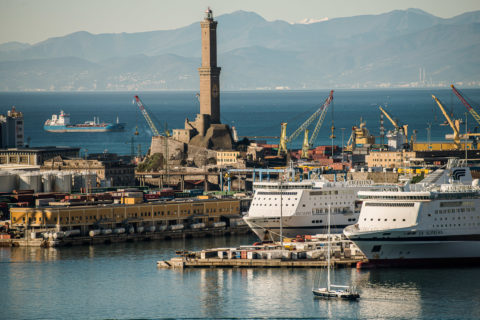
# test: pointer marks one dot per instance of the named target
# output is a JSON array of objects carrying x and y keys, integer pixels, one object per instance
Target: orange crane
[{"x": 466, "y": 104}]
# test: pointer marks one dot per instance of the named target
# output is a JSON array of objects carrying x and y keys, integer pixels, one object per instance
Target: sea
[
  {"x": 122, "y": 281},
  {"x": 251, "y": 113}
]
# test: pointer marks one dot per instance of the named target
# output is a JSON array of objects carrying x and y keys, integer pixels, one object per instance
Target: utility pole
[
  {"x": 466, "y": 136},
  {"x": 281, "y": 214}
]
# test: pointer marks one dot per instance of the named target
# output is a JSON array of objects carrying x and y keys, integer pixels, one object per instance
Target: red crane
[{"x": 466, "y": 104}]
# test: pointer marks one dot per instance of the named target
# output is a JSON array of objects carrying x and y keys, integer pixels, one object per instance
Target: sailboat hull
[{"x": 323, "y": 293}]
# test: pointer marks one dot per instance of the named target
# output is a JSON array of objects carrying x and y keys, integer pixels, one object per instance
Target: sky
[{"x": 32, "y": 21}]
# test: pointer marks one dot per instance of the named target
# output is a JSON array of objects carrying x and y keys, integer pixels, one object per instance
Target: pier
[
  {"x": 181, "y": 263},
  {"x": 309, "y": 253}
]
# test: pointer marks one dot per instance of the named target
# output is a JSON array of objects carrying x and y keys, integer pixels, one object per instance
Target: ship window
[
  {"x": 403, "y": 219},
  {"x": 376, "y": 248},
  {"x": 394, "y": 219}
]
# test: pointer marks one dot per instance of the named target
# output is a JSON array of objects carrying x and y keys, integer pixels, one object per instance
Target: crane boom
[
  {"x": 146, "y": 116},
  {"x": 466, "y": 104},
  {"x": 456, "y": 133},
  {"x": 321, "y": 118},
  {"x": 395, "y": 124},
  {"x": 282, "y": 146},
  {"x": 311, "y": 118}
]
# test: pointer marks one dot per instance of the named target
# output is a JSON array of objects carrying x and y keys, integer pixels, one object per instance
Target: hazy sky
[{"x": 32, "y": 21}]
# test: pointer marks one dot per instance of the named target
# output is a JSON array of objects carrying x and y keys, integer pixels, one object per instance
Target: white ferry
[
  {"x": 430, "y": 223},
  {"x": 303, "y": 207}
]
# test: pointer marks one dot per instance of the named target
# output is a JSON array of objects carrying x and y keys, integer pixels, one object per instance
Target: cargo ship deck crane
[
  {"x": 320, "y": 114},
  {"x": 148, "y": 119},
  {"x": 395, "y": 123}
]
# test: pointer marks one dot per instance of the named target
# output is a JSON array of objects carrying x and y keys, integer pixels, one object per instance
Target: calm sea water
[
  {"x": 121, "y": 281},
  {"x": 253, "y": 113}
]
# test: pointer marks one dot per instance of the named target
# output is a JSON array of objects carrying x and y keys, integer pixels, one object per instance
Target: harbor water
[
  {"x": 121, "y": 281},
  {"x": 252, "y": 113}
]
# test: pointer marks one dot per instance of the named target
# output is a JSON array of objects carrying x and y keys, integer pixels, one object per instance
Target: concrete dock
[
  {"x": 308, "y": 253},
  {"x": 124, "y": 237},
  {"x": 182, "y": 262}
]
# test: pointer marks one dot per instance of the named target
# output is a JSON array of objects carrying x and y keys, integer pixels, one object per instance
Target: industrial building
[
  {"x": 35, "y": 156},
  {"x": 160, "y": 214},
  {"x": 12, "y": 130},
  {"x": 389, "y": 159},
  {"x": 109, "y": 169}
]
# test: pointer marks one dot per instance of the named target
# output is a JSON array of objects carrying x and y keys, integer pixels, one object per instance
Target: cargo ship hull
[{"x": 84, "y": 128}]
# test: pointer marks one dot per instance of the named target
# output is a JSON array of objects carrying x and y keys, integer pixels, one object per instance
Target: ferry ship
[
  {"x": 431, "y": 223},
  {"x": 61, "y": 123},
  {"x": 303, "y": 207}
]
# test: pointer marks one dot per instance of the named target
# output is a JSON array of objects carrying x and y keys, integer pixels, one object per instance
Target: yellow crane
[
  {"x": 394, "y": 123},
  {"x": 320, "y": 114},
  {"x": 454, "y": 124},
  {"x": 305, "y": 145}
]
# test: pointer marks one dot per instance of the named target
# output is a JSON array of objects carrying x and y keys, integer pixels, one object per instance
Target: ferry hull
[
  {"x": 401, "y": 250},
  {"x": 420, "y": 263},
  {"x": 269, "y": 228}
]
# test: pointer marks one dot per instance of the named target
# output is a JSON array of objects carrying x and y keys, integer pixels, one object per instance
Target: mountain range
[{"x": 401, "y": 48}]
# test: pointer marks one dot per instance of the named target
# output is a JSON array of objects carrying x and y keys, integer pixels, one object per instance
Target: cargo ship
[{"x": 61, "y": 123}]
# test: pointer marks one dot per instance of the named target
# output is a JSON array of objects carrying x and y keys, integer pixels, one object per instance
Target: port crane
[
  {"x": 148, "y": 119},
  {"x": 307, "y": 143},
  {"x": 395, "y": 123},
  {"x": 466, "y": 104},
  {"x": 455, "y": 125}
]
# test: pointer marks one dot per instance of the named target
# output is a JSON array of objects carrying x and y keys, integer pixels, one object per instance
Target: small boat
[{"x": 341, "y": 292}]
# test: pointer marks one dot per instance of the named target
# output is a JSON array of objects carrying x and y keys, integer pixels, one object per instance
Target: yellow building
[
  {"x": 389, "y": 159},
  {"x": 86, "y": 218},
  {"x": 227, "y": 157}
]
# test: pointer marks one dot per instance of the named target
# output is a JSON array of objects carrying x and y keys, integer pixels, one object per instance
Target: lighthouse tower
[{"x": 209, "y": 72}]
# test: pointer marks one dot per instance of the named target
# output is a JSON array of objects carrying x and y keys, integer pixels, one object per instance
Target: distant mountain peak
[
  {"x": 418, "y": 11},
  {"x": 242, "y": 14}
]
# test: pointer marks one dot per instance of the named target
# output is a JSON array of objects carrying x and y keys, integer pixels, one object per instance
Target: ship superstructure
[
  {"x": 303, "y": 207},
  {"x": 61, "y": 123},
  {"x": 434, "y": 221}
]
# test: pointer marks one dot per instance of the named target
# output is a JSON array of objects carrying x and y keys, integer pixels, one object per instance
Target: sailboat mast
[{"x": 328, "y": 254}]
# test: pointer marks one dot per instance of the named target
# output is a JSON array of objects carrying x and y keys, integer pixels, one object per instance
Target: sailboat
[{"x": 334, "y": 291}]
